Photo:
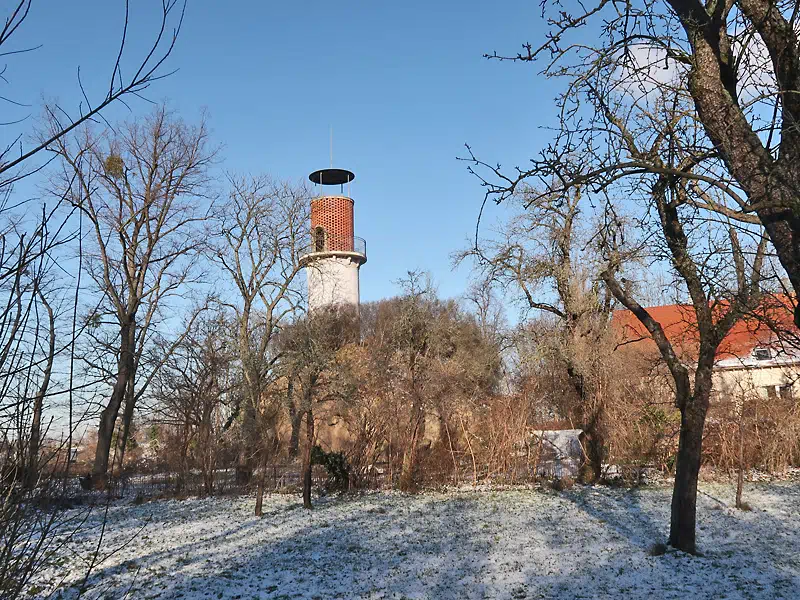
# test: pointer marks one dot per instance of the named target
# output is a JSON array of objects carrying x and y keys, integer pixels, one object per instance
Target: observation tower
[{"x": 333, "y": 255}]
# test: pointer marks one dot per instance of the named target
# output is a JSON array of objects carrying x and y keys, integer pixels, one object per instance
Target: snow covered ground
[{"x": 589, "y": 542}]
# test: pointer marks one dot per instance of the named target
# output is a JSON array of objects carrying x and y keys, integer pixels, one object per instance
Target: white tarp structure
[{"x": 560, "y": 452}]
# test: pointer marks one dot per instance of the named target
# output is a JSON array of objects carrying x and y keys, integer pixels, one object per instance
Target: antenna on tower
[{"x": 331, "y": 146}]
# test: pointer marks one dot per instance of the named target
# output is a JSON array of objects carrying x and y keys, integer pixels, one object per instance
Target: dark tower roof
[{"x": 332, "y": 176}]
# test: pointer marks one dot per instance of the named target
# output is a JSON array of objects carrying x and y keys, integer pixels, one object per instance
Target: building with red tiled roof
[{"x": 751, "y": 358}]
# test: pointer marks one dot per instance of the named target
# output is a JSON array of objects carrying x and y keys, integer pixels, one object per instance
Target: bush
[{"x": 336, "y": 466}]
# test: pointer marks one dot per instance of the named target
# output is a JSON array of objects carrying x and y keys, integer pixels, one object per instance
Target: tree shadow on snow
[
  {"x": 743, "y": 555},
  {"x": 467, "y": 545},
  {"x": 420, "y": 547}
]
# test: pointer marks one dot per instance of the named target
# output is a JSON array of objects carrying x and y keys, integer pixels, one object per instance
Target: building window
[
  {"x": 319, "y": 239},
  {"x": 784, "y": 392},
  {"x": 762, "y": 353}
]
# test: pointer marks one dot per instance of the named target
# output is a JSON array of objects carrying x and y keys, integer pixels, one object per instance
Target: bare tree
[
  {"x": 193, "y": 388},
  {"x": 653, "y": 112},
  {"x": 141, "y": 190},
  {"x": 34, "y": 443},
  {"x": 309, "y": 355},
  {"x": 411, "y": 333},
  {"x": 544, "y": 257},
  {"x": 140, "y": 76},
  {"x": 720, "y": 290},
  {"x": 720, "y": 264},
  {"x": 482, "y": 301},
  {"x": 714, "y": 319},
  {"x": 30, "y": 341},
  {"x": 262, "y": 235},
  {"x": 33, "y": 301},
  {"x": 737, "y": 63}
]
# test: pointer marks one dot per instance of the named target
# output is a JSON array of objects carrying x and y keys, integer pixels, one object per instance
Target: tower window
[{"x": 319, "y": 239}]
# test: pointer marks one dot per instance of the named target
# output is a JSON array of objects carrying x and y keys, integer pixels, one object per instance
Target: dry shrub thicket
[
  {"x": 422, "y": 396},
  {"x": 754, "y": 432}
]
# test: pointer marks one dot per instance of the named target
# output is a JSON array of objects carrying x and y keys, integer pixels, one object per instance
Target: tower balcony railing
[{"x": 324, "y": 244}]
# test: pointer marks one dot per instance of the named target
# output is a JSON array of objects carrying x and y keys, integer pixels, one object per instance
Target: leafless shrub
[{"x": 192, "y": 393}]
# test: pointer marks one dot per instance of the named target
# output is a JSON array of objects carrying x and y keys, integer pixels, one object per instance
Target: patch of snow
[{"x": 590, "y": 542}]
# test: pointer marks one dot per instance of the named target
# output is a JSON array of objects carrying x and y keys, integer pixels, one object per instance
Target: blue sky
[{"x": 403, "y": 85}]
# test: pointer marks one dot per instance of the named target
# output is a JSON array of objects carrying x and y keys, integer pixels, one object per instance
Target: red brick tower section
[{"x": 333, "y": 215}]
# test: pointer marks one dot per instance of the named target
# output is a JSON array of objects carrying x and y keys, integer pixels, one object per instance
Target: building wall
[
  {"x": 333, "y": 280},
  {"x": 729, "y": 383}
]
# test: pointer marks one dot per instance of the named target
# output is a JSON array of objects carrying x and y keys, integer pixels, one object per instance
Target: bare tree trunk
[
  {"x": 108, "y": 417},
  {"x": 208, "y": 454},
  {"x": 693, "y": 407},
  {"x": 407, "y": 474},
  {"x": 592, "y": 423},
  {"x": 595, "y": 444},
  {"x": 770, "y": 183},
  {"x": 251, "y": 433},
  {"x": 184, "y": 466},
  {"x": 740, "y": 469},
  {"x": 307, "y": 466},
  {"x": 32, "y": 468},
  {"x": 295, "y": 419},
  {"x": 262, "y": 483},
  {"x": 684, "y": 496},
  {"x": 133, "y": 270},
  {"x": 409, "y": 460},
  {"x": 294, "y": 440},
  {"x": 127, "y": 420}
]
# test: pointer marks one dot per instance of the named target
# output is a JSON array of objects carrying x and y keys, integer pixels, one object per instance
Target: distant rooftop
[{"x": 753, "y": 331}]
